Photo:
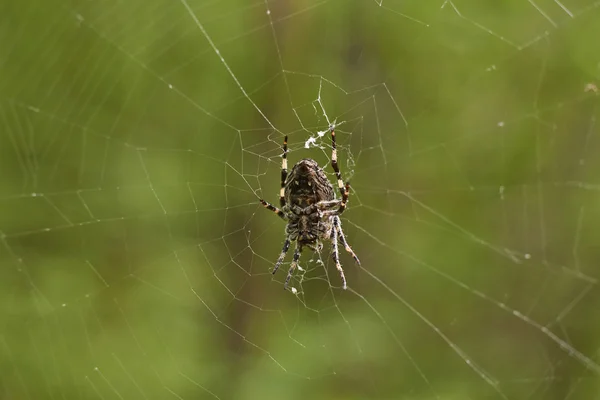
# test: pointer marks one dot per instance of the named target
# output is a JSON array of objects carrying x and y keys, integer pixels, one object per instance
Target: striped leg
[
  {"x": 337, "y": 223},
  {"x": 271, "y": 207},
  {"x": 336, "y": 256},
  {"x": 283, "y": 172},
  {"x": 327, "y": 204},
  {"x": 286, "y": 247},
  {"x": 344, "y": 190},
  {"x": 268, "y": 205},
  {"x": 294, "y": 265}
]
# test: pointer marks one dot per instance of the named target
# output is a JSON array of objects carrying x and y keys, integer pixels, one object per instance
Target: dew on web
[{"x": 137, "y": 139}]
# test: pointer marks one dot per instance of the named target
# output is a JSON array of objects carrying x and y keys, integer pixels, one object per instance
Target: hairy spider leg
[
  {"x": 336, "y": 255},
  {"x": 284, "y": 172},
  {"x": 268, "y": 205},
  {"x": 286, "y": 247},
  {"x": 315, "y": 247},
  {"x": 338, "y": 223},
  {"x": 344, "y": 190},
  {"x": 325, "y": 204},
  {"x": 271, "y": 207},
  {"x": 294, "y": 264}
]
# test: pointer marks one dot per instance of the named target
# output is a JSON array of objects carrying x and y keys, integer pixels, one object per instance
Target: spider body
[
  {"x": 308, "y": 204},
  {"x": 307, "y": 184},
  {"x": 305, "y": 187}
]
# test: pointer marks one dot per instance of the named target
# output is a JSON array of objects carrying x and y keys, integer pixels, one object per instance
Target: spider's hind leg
[
  {"x": 284, "y": 172},
  {"x": 344, "y": 189}
]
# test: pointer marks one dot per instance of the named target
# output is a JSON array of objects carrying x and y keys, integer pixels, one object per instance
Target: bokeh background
[{"x": 136, "y": 138}]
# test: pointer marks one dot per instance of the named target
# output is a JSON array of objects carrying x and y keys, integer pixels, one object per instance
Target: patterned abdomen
[{"x": 307, "y": 184}]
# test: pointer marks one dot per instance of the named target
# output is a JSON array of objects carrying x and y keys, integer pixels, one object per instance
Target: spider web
[{"x": 137, "y": 138}]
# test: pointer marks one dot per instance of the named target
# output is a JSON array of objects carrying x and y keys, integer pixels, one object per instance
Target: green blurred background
[{"x": 135, "y": 258}]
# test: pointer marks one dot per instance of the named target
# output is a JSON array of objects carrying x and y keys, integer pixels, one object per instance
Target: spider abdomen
[{"x": 307, "y": 184}]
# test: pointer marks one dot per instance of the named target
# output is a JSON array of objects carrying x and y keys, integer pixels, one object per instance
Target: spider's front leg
[
  {"x": 316, "y": 247},
  {"x": 337, "y": 223},
  {"x": 286, "y": 247},
  {"x": 336, "y": 256},
  {"x": 293, "y": 265}
]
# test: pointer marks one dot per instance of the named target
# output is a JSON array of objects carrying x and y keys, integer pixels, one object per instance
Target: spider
[{"x": 309, "y": 206}]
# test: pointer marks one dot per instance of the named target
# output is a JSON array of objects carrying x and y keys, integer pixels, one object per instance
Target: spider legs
[
  {"x": 336, "y": 255},
  {"x": 336, "y": 234},
  {"x": 338, "y": 224},
  {"x": 327, "y": 204},
  {"x": 271, "y": 207},
  {"x": 293, "y": 265},
  {"x": 344, "y": 189},
  {"x": 286, "y": 247},
  {"x": 283, "y": 172}
]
